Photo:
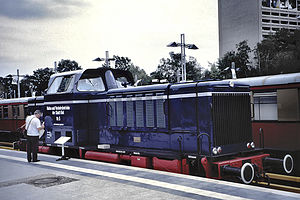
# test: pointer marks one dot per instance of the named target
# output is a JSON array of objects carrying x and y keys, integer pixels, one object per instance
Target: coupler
[
  {"x": 245, "y": 173},
  {"x": 278, "y": 165}
]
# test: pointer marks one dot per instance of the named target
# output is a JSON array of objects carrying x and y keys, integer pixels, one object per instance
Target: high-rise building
[{"x": 253, "y": 20}]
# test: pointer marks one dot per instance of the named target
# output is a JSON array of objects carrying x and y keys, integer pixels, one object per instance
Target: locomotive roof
[
  {"x": 271, "y": 79},
  {"x": 95, "y": 72},
  {"x": 67, "y": 73},
  {"x": 163, "y": 87}
]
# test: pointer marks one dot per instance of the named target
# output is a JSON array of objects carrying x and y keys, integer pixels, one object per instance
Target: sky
[{"x": 34, "y": 33}]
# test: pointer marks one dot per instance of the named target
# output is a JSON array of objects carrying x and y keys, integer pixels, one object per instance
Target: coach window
[
  {"x": 15, "y": 111},
  {"x": 288, "y": 104},
  {"x": 91, "y": 84},
  {"x": 1, "y": 112},
  {"x": 61, "y": 84},
  {"x": 265, "y": 106},
  {"x": 5, "y": 112},
  {"x": 26, "y": 110}
]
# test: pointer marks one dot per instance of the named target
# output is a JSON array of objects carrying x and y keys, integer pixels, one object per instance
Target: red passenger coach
[
  {"x": 12, "y": 116},
  {"x": 276, "y": 113}
]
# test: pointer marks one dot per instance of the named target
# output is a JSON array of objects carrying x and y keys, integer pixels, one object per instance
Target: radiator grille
[{"x": 231, "y": 118}]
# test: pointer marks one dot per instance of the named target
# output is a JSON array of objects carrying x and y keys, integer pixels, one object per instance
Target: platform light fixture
[
  {"x": 183, "y": 46},
  {"x": 106, "y": 59}
]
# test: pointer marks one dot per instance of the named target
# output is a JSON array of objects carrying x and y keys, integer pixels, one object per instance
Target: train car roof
[
  {"x": 13, "y": 101},
  {"x": 279, "y": 79}
]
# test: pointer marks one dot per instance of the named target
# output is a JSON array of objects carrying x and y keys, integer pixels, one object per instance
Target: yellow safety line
[
  {"x": 6, "y": 143},
  {"x": 282, "y": 187},
  {"x": 284, "y": 177},
  {"x": 9, "y": 148}
]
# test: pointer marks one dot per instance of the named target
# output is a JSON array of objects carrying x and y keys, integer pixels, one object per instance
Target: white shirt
[{"x": 32, "y": 128}]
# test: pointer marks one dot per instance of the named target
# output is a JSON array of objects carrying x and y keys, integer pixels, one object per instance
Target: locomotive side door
[{"x": 92, "y": 115}]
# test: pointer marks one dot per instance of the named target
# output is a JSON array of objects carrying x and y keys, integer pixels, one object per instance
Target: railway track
[{"x": 282, "y": 182}]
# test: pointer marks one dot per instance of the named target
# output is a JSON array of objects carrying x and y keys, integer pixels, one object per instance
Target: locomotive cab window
[
  {"x": 91, "y": 84},
  {"x": 61, "y": 84}
]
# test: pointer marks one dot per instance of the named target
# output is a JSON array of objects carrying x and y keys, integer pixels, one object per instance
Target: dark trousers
[{"x": 32, "y": 147}]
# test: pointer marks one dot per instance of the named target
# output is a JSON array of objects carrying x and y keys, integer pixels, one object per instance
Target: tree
[
  {"x": 67, "y": 65},
  {"x": 170, "y": 68},
  {"x": 193, "y": 70},
  {"x": 125, "y": 63},
  {"x": 279, "y": 53},
  {"x": 212, "y": 73},
  {"x": 241, "y": 59},
  {"x": 26, "y": 85},
  {"x": 40, "y": 79},
  {"x": 167, "y": 69},
  {"x": 6, "y": 87},
  {"x": 224, "y": 64}
]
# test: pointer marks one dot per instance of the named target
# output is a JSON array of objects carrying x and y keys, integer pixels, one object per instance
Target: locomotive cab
[{"x": 70, "y": 104}]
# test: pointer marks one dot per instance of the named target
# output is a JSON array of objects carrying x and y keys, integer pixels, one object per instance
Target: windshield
[
  {"x": 61, "y": 84},
  {"x": 91, "y": 84}
]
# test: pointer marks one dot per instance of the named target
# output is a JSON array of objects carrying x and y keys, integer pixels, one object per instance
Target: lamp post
[
  {"x": 106, "y": 59},
  {"x": 182, "y": 45},
  {"x": 18, "y": 82}
]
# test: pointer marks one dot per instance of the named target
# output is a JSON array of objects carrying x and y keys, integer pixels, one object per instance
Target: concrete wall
[{"x": 238, "y": 20}]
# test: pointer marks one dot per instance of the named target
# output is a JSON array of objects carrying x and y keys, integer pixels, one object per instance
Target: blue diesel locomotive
[{"x": 201, "y": 128}]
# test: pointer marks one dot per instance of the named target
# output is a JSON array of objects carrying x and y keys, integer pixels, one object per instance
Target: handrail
[
  {"x": 179, "y": 139},
  {"x": 209, "y": 142},
  {"x": 261, "y": 138}
]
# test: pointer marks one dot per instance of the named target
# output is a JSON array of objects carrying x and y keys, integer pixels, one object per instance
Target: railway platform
[{"x": 85, "y": 179}]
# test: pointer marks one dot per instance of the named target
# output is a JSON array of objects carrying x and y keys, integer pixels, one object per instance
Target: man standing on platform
[{"x": 33, "y": 126}]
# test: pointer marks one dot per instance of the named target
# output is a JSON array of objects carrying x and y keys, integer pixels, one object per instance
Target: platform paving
[{"x": 84, "y": 179}]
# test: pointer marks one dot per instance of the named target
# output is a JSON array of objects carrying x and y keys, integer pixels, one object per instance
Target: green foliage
[
  {"x": 279, "y": 53},
  {"x": 125, "y": 63},
  {"x": 67, "y": 65},
  {"x": 27, "y": 86},
  {"x": 6, "y": 87},
  {"x": 169, "y": 68},
  {"x": 40, "y": 79},
  {"x": 193, "y": 70},
  {"x": 241, "y": 59},
  {"x": 212, "y": 73}
]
